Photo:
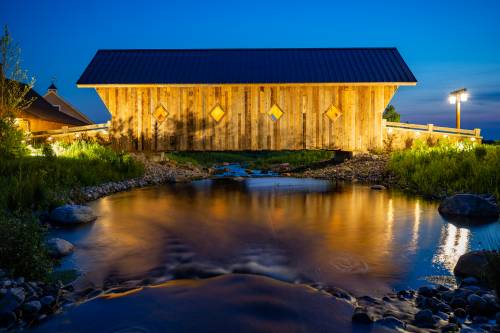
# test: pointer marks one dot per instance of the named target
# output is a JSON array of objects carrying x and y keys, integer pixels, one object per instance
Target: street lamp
[{"x": 456, "y": 97}]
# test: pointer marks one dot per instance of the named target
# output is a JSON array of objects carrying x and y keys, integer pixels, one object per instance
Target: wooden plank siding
[{"x": 246, "y": 124}]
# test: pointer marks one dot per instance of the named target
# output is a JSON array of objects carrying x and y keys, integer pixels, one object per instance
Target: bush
[
  {"x": 448, "y": 168},
  {"x": 22, "y": 249},
  {"x": 39, "y": 182},
  {"x": 12, "y": 144}
]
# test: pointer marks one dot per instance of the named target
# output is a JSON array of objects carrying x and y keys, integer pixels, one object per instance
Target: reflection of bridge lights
[
  {"x": 416, "y": 227},
  {"x": 452, "y": 244}
]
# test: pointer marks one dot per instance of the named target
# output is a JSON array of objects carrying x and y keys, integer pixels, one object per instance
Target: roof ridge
[{"x": 250, "y": 49}]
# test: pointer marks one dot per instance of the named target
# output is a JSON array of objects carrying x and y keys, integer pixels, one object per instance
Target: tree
[
  {"x": 391, "y": 115},
  {"x": 14, "y": 89},
  {"x": 14, "y": 84}
]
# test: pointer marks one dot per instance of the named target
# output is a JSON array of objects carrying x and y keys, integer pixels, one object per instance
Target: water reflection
[
  {"x": 351, "y": 236},
  {"x": 453, "y": 243}
]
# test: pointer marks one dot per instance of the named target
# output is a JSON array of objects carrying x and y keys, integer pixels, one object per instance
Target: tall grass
[
  {"x": 448, "y": 168},
  {"x": 264, "y": 159},
  {"x": 37, "y": 182}
]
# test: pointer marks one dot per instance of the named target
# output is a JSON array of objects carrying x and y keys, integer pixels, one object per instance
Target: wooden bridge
[{"x": 401, "y": 133}]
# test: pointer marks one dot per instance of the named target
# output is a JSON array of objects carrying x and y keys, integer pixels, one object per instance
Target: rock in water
[
  {"x": 469, "y": 205},
  {"x": 473, "y": 263},
  {"x": 378, "y": 187},
  {"x": 59, "y": 247},
  {"x": 72, "y": 214}
]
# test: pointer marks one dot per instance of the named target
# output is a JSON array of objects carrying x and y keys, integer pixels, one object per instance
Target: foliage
[
  {"x": 263, "y": 159},
  {"x": 391, "y": 115},
  {"x": 13, "y": 86},
  {"x": 12, "y": 142},
  {"x": 22, "y": 248},
  {"x": 37, "y": 182},
  {"x": 448, "y": 168}
]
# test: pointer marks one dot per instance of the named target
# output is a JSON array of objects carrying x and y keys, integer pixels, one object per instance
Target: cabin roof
[
  {"x": 41, "y": 108},
  {"x": 247, "y": 66}
]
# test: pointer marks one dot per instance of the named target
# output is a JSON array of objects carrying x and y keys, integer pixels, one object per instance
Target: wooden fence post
[
  {"x": 477, "y": 132},
  {"x": 430, "y": 128}
]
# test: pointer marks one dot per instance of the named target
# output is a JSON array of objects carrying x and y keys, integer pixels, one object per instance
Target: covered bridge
[{"x": 247, "y": 99}]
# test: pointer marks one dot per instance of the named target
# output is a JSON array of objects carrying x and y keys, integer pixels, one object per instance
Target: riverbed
[{"x": 298, "y": 231}]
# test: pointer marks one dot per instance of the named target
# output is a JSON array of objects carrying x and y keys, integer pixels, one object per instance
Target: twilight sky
[{"x": 447, "y": 44}]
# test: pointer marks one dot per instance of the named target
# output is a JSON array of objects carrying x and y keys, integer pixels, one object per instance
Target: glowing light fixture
[
  {"x": 275, "y": 112},
  {"x": 217, "y": 113},
  {"x": 333, "y": 113},
  {"x": 456, "y": 97}
]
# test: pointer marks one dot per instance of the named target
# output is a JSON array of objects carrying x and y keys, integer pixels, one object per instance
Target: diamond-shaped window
[
  {"x": 275, "y": 112},
  {"x": 217, "y": 113},
  {"x": 160, "y": 113},
  {"x": 333, "y": 112}
]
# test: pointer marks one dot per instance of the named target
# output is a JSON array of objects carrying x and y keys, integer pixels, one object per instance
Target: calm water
[
  {"x": 366, "y": 241},
  {"x": 351, "y": 236}
]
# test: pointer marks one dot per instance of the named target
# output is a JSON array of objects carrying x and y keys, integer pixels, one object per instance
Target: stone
[
  {"x": 460, "y": 313},
  {"x": 468, "y": 281},
  {"x": 378, "y": 187},
  {"x": 72, "y": 214},
  {"x": 32, "y": 307},
  {"x": 458, "y": 302},
  {"x": 477, "y": 303},
  {"x": 497, "y": 318},
  {"x": 472, "y": 264},
  {"x": 12, "y": 299},
  {"x": 391, "y": 322},
  {"x": 427, "y": 291},
  {"x": 442, "y": 315},
  {"x": 361, "y": 316},
  {"x": 58, "y": 247},
  {"x": 470, "y": 205},
  {"x": 47, "y": 300},
  {"x": 424, "y": 318}
]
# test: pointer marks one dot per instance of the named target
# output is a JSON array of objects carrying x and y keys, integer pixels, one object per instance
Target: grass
[
  {"x": 262, "y": 160},
  {"x": 22, "y": 248},
  {"x": 448, "y": 169},
  {"x": 39, "y": 182}
]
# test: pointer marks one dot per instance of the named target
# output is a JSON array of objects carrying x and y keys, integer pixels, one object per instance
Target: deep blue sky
[{"x": 447, "y": 44}]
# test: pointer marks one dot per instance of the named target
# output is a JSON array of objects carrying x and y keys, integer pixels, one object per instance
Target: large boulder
[
  {"x": 469, "y": 205},
  {"x": 59, "y": 247},
  {"x": 72, "y": 214},
  {"x": 473, "y": 264}
]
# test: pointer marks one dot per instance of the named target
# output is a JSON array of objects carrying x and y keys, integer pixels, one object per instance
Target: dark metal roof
[
  {"x": 232, "y": 66},
  {"x": 42, "y": 109},
  {"x": 52, "y": 86}
]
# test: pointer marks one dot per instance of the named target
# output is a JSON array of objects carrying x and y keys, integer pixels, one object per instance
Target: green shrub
[
  {"x": 39, "y": 182},
  {"x": 22, "y": 249},
  {"x": 448, "y": 168},
  {"x": 12, "y": 144}
]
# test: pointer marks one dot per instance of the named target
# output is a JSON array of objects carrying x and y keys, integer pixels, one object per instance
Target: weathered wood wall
[{"x": 246, "y": 124}]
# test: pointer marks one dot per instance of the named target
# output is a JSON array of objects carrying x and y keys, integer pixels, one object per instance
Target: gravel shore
[{"x": 365, "y": 168}]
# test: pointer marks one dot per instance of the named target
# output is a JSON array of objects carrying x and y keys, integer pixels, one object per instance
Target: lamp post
[{"x": 456, "y": 97}]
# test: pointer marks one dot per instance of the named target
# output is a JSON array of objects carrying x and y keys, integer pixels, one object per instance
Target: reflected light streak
[
  {"x": 453, "y": 243},
  {"x": 416, "y": 227}
]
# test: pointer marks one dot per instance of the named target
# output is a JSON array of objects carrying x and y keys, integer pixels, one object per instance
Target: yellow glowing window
[
  {"x": 217, "y": 113},
  {"x": 275, "y": 112},
  {"x": 333, "y": 112},
  {"x": 160, "y": 113}
]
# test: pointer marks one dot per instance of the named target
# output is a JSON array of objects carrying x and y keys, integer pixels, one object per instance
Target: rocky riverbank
[
  {"x": 155, "y": 172},
  {"x": 24, "y": 303},
  {"x": 365, "y": 168}
]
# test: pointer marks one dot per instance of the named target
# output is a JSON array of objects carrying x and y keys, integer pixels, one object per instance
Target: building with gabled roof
[
  {"x": 247, "y": 99},
  {"x": 64, "y": 106}
]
